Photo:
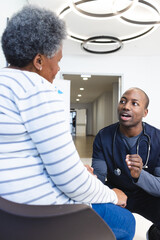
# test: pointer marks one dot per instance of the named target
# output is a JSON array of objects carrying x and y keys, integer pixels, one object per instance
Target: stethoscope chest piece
[{"x": 117, "y": 172}]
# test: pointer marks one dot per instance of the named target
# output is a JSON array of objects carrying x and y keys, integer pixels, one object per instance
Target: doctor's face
[{"x": 132, "y": 108}]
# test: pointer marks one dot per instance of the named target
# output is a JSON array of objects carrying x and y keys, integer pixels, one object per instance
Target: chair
[{"x": 51, "y": 222}]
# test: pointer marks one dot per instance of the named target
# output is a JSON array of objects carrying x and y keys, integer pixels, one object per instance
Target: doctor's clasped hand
[
  {"x": 126, "y": 155},
  {"x": 135, "y": 164}
]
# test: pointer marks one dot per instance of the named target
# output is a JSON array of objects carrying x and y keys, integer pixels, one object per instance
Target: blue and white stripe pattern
[{"x": 38, "y": 160}]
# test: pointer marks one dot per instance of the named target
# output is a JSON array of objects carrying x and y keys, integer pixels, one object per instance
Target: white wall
[
  {"x": 8, "y": 7},
  {"x": 94, "y": 118},
  {"x": 102, "y": 111},
  {"x": 80, "y": 122},
  {"x": 115, "y": 99},
  {"x": 105, "y": 109},
  {"x": 143, "y": 72}
]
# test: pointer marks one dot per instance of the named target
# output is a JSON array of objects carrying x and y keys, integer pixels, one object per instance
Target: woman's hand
[
  {"x": 122, "y": 197},
  {"x": 90, "y": 169}
]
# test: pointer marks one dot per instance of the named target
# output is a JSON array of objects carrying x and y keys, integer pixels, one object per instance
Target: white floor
[{"x": 142, "y": 224}]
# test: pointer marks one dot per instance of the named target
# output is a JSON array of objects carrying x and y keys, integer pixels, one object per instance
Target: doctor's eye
[
  {"x": 135, "y": 104},
  {"x": 122, "y": 101}
]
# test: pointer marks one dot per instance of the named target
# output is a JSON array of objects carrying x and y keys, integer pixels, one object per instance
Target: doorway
[
  {"x": 99, "y": 98},
  {"x": 73, "y": 114}
]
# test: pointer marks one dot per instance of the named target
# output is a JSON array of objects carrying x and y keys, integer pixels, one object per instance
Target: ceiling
[
  {"x": 93, "y": 87},
  {"x": 84, "y": 27}
]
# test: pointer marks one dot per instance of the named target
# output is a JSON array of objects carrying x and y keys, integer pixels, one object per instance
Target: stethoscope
[{"x": 117, "y": 171}]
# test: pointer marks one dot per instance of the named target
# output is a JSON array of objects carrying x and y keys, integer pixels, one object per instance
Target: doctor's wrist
[{"x": 135, "y": 180}]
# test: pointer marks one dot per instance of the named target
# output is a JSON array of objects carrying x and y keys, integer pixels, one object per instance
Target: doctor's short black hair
[
  {"x": 146, "y": 96},
  {"x": 147, "y": 99},
  {"x": 30, "y": 31}
]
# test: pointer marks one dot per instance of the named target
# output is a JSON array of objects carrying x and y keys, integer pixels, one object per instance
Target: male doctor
[{"x": 127, "y": 154}]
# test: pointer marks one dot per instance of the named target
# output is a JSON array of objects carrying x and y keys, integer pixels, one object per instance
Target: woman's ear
[{"x": 37, "y": 62}]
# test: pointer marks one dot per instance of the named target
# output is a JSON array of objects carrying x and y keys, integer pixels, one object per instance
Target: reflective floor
[{"x": 84, "y": 145}]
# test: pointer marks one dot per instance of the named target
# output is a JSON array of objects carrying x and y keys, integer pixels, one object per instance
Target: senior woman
[{"x": 38, "y": 160}]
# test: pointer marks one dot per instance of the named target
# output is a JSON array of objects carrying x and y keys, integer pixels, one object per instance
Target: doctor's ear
[{"x": 145, "y": 112}]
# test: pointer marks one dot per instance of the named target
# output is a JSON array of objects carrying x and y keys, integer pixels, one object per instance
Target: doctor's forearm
[{"x": 149, "y": 183}]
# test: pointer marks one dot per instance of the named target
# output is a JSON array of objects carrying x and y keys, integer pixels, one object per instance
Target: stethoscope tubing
[{"x": 117, "y": 171}]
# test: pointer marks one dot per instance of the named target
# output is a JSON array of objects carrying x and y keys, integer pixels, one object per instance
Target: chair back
[{"x": 51, "y": 222}]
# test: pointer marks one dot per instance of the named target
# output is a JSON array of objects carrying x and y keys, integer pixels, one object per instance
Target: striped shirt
[{"x": 38, "y": 160}]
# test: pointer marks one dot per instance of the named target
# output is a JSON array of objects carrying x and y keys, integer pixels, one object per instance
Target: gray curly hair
[{"x": 31, "y": 31}]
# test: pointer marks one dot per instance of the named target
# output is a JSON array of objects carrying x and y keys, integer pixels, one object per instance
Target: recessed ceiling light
[
  {"x": 81, "y": 88},
  {"x": 77, "y": 99},
  {"x": 79, "y": 95},
  {"x": 85, "y": 78}
]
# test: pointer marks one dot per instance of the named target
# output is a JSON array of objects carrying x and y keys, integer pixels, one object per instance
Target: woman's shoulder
[{"x": 24, "y": 84}]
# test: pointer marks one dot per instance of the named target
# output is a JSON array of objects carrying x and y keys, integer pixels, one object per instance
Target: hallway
[{"x": 84, "y": 145}]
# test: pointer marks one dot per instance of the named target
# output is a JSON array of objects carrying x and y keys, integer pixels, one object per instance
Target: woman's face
[{"x": 50, "y": 66}]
